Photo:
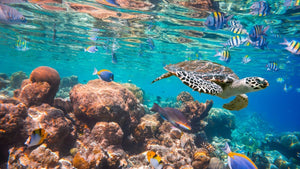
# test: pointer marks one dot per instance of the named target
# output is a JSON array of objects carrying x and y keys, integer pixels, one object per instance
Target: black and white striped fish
[
  {"x": 292, "y": 46},
  {"x": 235, "y": 23},
  {"x": 235, "y": 41},
  {"x": 224, "y": 55},
  {"x": 238, "y": 30}
]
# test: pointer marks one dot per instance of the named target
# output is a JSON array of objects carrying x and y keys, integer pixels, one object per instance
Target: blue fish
[
  {"x": 257, "y": 31},
  {"x": 150, "y": 43},
  {"x": 261, "y": 43},
  {"x": 174, "y": 116},
  {"x": 217, "y": 20},
  {"x": 246, "y": 59},
  {"x": 113, "y": 2},
  {"x": 114, "y": 58},
  {"x": 261, "y": 8},
  {"x": 235, "y": 41},
  {"x": 10, "y": 15},
  {"x": 237, "y": 160},
  {"x": 91, "y": 49},
  {"x": 235, "y": 24},
  {"x": 104, "y": 74},
  {"x": 272, "y": 66}
]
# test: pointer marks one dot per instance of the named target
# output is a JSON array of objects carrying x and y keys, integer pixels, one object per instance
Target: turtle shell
[{"x": 208, "y": 70}]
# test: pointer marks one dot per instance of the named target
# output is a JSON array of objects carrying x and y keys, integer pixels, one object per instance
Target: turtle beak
[{"x": 265, "y": 83}]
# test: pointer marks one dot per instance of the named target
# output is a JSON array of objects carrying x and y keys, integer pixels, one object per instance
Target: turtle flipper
[
  {"x": 166, "y": 75},
  {"x": 238, "y": 103},
  {"x": 195, "y": 82}
]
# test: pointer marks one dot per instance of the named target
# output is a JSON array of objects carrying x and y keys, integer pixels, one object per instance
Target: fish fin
[
  {"x": 226, "y": 149},
  {"x": 224, "y": 44},
  {"x": 100, "y": 71},
  {"x": 285, "y": 42},
  {"x": 95, "y": 71},
  {"x": 217, "y": 53},
  {"x": 229, "y": 17},
  {"x": 266, "y": 29}
]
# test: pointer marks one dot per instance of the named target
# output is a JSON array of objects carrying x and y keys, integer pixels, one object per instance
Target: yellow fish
[
  {"x": 36, "y": 138},
  {"x": 154, "y": 159}
]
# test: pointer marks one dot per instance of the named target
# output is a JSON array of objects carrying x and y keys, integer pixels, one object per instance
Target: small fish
[
  {"x": 287, "y": 88},
  {"x": 246, "y": 59},
  {"x": 235, "y": 41},
  {"x": 292, "y": 4},
  {"x": 114, "y": 58},
  {"x": 235, "y": 24},
  {"x": 257, "y": 31},
  {"x": 174, "y": 116},
  {"x": 150, "y": 43},
  {"x": 238, "y": 30},
  {"x": 93, "y": 38},
  {"x": 261, "y": 43},
  {"x": 104, "y": 74},
  {"x": 36, "y": 138},
  {"x": 292, "y": 46},
  {"x": 237, "y": 160},
  {"x": 9, "y": 15},
  {"x": 21, "y": 45},
  {"x": 91, "y": 49},
  {"x": 224, "y": 55},
  {"x": 113, "y": 2},
  {"x": 272, "y": 66},
  {"x": 154, "y": 159},
  {"x": 217, "y": 20},
  {"x": 261, "y": 8},
  {"x": 280, "y": 80}
]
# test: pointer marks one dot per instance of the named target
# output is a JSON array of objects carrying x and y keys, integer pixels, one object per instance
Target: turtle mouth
[{"x": 265, "y": 83}]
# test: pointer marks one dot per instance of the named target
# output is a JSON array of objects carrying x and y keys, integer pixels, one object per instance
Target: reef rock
[
  {"x": 194, "y": 111},
  {"x": 68, "y": 81},
  {"x": 216, "y": 163},
  {"x": 57, "y": 126},
  {"x": 106, "y": 101},
  {"x": 16, "y": 79},
  {"x": 4, "y": 82},
  {"x": 41, "y": 88},
  {"x": 138, "y": 92},
  {"x": 221, "y": 122}
]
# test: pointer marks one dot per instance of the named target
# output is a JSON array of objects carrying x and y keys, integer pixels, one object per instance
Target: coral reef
[
  {"x": 220, "y": 122},
  {"x": 4, "y": 82},
  {"x": 40, "y": 88},
  {"x": 16, "y": 79},
  {"x": 66, "y": 85},
  {"x": 106, "y": 101},
  {"x": 138, "y": 92}
]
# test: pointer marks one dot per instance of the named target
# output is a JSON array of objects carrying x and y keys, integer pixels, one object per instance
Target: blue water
[{"x": 140, "y": 65}]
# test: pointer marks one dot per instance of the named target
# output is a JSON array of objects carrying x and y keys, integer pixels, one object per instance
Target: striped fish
[
  {"x": 292, "y": 46},
  {"x": 261, "y": 44},
  {"x": 257, "y": 31},
  {"x": 217, "y": 20},
  {"x": 260, "y": 8},
  {"x": 246, "y": 59},
  {"x": 224, "y": 55},
  {"x": 235, "y": 41},
  {"x": 235, "y": 23},
  {"x": 238, "y": 30},
  {"x": 272, "y": 66}
]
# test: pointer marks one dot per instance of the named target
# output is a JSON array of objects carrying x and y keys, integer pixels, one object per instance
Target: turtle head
[{"x": 256, "y": 83}]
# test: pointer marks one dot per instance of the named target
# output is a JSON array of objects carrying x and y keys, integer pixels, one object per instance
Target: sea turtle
[{"x": 215, "y": 79}]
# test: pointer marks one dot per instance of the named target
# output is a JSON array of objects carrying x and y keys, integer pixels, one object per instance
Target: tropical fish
[
  {"x": 150, "y": 43},
  {"x": 237, "y": 160},
  {"x": 246, "y": 59},
  {"x": 21, "y": 45},
  {"x": 113, "y": 2},
  {"x": 174, "y": 116},
  {"x": 104, "y": 74},
  {"x": 261, "y": 43},
  {"x": 292, "y": 4},
  {"x": 238, "y": 30},
  {"x": 261, "y": 8},
  {"x": 154, "y": 159},
  {"x": 91, "y": 49},
  {"x": 10, "y": 15},
  {"x": 292, "y": 46},
  {"x": 217, "y": 20},
  {"x": 93, "y": 37},
  {"x": 272, "y": 66},
  {"x": 235, "y": 24},
  {"x": 280, "y": 80},
  {"x": 235, "y": 41},
  {"x": 114, "y": 58},
  {"x": 36, "y": 138},
  {"x": 224, "y": 55},
  {"x": 257, "y": 31}
]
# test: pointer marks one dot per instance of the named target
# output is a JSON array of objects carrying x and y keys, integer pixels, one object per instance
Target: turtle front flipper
[
  {"x": 194, "y": 81},
  {"x": 166, "y": 75},
  {"x": 238, "y": 103}
]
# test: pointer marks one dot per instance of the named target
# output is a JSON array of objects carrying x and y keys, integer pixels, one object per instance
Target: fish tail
[
  {"x": 266, "y": 29},
  {"x": 95, "y": 71},
  {"x": 155, "y": 107},
  {"x": 226, "y": 149},
  {"x": 229, "y": 17},
  {"x": 285, "y": 42},
  {"x": 217, "y": 53}
]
